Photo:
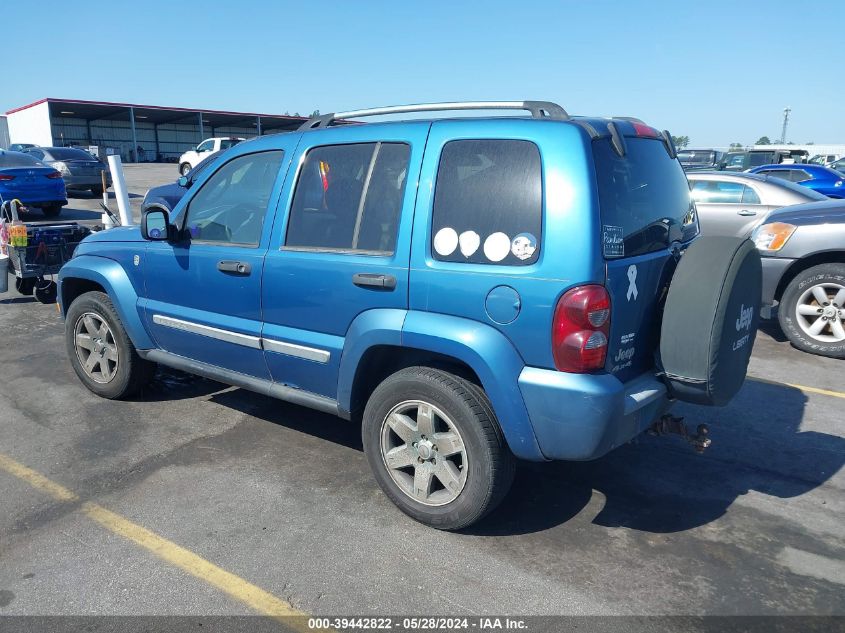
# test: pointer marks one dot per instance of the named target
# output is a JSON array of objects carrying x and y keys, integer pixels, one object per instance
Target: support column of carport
[
  {"x": 134, "y": 151},
  {"x": 258, "y": 124}
]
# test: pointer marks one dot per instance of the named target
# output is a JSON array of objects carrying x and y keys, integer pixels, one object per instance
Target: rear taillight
[
  {"x": 642, "y": 129},
  {"x": 581, "y": 328},
  {"x": 54, "y": 174},
  {"x": 6, "y": 177}
]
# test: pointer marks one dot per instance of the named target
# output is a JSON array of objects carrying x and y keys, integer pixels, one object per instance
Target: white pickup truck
[{"x": 191, "y": 158}]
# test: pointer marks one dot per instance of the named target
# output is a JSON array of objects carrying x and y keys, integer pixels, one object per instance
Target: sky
[{"x": 718, "y": 72}]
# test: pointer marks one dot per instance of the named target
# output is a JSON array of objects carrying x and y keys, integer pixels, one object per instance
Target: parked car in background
[
  {"x": 20, "y": 147},
  {"x": 824, "y": 159},
  {"x": 79, "y": 169},
  {"x": 446, "y": 319},
  {"x": 838, "y": 165},
  {"x": 167, "y": 196},
  {"x": 824, "y": 180},
  {"x": 803, "y": 249},
  {"x": 734, "y": 203},
  {"x": 25, "y": 178},
  {"x": 700, "y": 159},
  {"x": 192, "y": 158},
  {"x": 742, "y": 161}
]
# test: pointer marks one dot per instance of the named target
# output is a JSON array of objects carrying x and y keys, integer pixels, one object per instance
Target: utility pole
[{"x": 786, "y": 112}]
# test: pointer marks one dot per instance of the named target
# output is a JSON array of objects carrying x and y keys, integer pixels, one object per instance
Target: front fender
[{"x": 114, "y": 280}]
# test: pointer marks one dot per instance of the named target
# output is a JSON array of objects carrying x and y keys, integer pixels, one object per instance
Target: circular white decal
[
  {"x": 497, "y": 247},
  {"x": 523, "y": 246},
  {"x": 469, "y": 241},
  {"x": 446, "y": 241}
]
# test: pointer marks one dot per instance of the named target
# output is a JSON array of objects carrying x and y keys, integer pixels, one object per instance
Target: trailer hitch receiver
[{"x": 672, "y": 425}]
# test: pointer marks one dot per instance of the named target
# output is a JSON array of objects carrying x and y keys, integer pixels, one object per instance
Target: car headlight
[
  {"x": 59, "y": 166},
  {"x": 772, "y": 237}
]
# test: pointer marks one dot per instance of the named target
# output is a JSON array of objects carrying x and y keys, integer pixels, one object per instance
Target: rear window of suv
[
  {"x": 488, "y": 203},
  {"x": 644, "y": 197}
]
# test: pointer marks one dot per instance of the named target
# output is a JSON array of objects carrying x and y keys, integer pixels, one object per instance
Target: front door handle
[
  {"x": 746, "y": 212},
  {"x": 233, "y": 267},
  {"x": 372, "y": 280}
]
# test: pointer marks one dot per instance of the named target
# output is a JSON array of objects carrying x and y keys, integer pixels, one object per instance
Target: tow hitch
[{"x": 671, "y": 425}]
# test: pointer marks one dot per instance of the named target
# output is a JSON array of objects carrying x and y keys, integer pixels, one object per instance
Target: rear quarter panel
[{"x": 568, "y": 248}]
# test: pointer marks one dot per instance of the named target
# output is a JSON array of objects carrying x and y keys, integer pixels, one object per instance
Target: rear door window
[
  {"x": 717, "y": 192},
  {"x": 349, "y": 198},
  {"x": 488, "y": 203},
  {"x": 749, "y": 196},
  {"x": 644, "y": 198}
]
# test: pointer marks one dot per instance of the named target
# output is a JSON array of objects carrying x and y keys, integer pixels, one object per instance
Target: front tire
[
  {"x": 812, "y": 310},
  {"x": 435, "y": 447},
  {"x": 100, "y": 350},
  {"x": 184, "y": 168}
]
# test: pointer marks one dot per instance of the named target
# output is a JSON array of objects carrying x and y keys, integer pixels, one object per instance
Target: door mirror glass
[
  {"x": 183, "y": 181},
  {"x": 154, "y": 225}
]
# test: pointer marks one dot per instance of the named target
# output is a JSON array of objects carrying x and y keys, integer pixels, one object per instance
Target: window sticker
[
  {"x": 613, "y": 240},
  {"x": 446, "y": 241},
  {"x": 523, "y": 246},
  {"x": 497, "y": 247},
  {"x": 469, "y": 241}
]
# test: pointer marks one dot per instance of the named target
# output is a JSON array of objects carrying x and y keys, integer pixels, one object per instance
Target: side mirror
[
  {"x": 183, "y": 182},
  {"x": 155, "y": 225}
]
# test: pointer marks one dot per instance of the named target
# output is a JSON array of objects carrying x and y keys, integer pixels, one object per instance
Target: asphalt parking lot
[{"x": 281, "y": 498}]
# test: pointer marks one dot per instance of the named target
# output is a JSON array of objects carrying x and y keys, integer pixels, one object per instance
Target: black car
[
  {"x": 803, "y": 252},
  {"x": 700, "y": 159},
  {"x": 167, "y": 196}
]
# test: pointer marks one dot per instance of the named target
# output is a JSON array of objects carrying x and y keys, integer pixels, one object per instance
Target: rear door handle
[
  {"x": 388, "y": 282},
  {"x": 746, "y": 212},
  {"x": 233, "y": 267}
]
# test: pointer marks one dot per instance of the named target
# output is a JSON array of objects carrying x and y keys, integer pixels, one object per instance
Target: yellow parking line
[
  {"x": 823, "y": 392},
  {"x": 240, "y": 589}
]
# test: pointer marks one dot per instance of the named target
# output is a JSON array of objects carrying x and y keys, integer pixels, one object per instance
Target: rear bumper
[
  {"x": 583, "y": 416},
  {"x": 773, "y": 269},
  {"x": 73, "y": 181}
]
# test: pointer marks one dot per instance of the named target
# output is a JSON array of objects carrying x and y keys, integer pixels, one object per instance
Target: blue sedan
[
  {"x": 27, "y": 179},
  {"x": 817, "y": 177}
]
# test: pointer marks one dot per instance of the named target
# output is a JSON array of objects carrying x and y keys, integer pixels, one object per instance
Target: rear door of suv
[
  {"x": 340, "y": 248},
  {"x": 646, "y": 210}
]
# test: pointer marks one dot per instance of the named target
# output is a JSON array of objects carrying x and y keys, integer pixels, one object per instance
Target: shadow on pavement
[
  {"x": 657, "y": 484},
  {"x": 772, "y": 328},
  {"x": 661, "y": 485}
]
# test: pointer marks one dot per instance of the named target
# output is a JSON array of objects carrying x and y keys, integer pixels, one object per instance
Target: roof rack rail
[{"x": 538, "y": 110}]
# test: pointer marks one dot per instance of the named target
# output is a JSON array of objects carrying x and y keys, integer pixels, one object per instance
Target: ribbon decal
[{"x": 632, "y": 282}]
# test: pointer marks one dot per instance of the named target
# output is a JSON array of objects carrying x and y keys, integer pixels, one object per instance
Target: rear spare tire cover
[{"x": 710, "y": 320}]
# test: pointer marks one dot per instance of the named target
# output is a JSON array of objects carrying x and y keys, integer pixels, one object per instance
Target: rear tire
[
  {"x": 184, "y": 168},
  {"x": 803, "y": 310},
  {"x": 100, "y": 350},
  {"x": 52, "y": 211},
  {"x": 449, "y": 463}
]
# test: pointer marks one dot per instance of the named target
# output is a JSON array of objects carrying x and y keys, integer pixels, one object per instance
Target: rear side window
[
  {"x": 488, "y": 203},
  {"x": 749, "y": 196},
  {"x": 644, "y": 198},
  {"x": 349, "y": 197},
  {"x": 16, "y": 159}
]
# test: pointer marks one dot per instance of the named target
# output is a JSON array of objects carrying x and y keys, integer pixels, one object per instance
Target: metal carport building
[{"x": 139, "y": 133}]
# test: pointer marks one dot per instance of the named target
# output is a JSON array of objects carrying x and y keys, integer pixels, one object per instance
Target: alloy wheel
[
  {"x": 820, "y": 312},
  {"x": 424, "y": 453},
  {"x": 96, "y": 348}
]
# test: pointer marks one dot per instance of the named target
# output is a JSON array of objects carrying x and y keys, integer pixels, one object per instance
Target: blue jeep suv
[{"x": 470, "y": 290}]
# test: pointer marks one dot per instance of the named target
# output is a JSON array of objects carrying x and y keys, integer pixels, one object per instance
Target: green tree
[
  {"x": 763, "y": 140},
  {"x": 680, "y": 141},
  {"x": 735, "y": 146},
  {"x": 315, "y": 113}
]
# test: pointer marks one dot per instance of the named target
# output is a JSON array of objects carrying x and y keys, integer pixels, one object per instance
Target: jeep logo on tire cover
[{"x": 744, "y": 320}]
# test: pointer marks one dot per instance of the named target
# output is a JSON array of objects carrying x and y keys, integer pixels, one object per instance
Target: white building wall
[
  {"x": 4, "y": 133},
  {"x": 31, "y": 125},
  {"x": 812, "y": 149}
]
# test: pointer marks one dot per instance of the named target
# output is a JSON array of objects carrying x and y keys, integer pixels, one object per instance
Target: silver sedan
[{"x": 734, "y": 204}]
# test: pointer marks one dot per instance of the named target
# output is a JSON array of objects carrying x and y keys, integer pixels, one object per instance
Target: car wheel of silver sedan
[{"x": 812, "y": 310}]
